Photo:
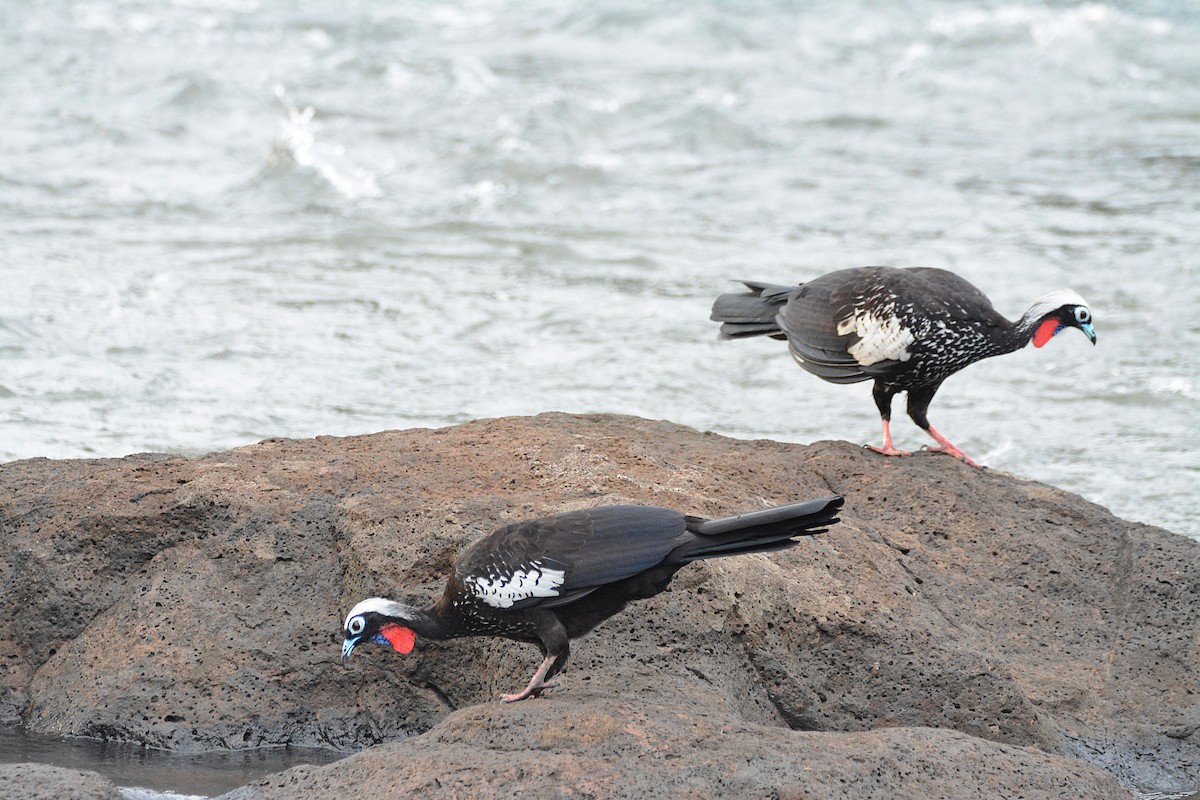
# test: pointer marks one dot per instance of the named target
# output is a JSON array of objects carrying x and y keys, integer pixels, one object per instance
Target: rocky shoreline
[{"x": 960, "y": 634}]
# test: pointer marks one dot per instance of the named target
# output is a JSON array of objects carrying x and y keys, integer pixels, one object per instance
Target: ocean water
[
  {"x": 223, "y": 220},
  {"x": 144, "y": 774}
]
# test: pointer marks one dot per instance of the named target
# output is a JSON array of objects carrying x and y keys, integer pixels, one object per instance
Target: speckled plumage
[
  {"x": 906, "y": 329},
  {"x": 549, "y": 580}
]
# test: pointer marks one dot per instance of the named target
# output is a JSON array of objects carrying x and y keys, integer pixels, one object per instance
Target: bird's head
[
  {"x": 380, "y": 621},
  {"x": 1056, "y": 312}
]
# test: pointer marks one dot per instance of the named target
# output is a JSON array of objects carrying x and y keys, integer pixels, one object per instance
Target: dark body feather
[
  {"x": 952, "y": 324},
  {"x": 549, "y": 580},
  {"x": 905, "y": 329}
]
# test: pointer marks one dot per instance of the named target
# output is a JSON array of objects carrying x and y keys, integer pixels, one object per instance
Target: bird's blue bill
[
  {"x": 348, "y": 646},
  {"x": 350, "y": 643}
]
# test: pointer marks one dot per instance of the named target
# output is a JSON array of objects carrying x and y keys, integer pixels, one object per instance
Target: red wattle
[
  {"x": 1046, "y": 331},
  {"x": 400, "y": 637}
]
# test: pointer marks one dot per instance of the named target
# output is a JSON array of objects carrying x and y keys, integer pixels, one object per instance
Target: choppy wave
[
  {"x": 296, "y": 149},
  {"x": 222, "y": 222}
]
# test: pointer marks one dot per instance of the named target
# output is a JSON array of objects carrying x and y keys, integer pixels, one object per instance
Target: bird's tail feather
[
  {"x": 751, "y": 313},
  {"x": 759, "y": 531}
]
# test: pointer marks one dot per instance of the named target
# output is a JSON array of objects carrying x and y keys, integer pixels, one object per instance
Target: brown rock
[
  {"x": 43, "y": 782},
  {"x": 195, "y": 603},
  {"x": 675, "y": 745}
]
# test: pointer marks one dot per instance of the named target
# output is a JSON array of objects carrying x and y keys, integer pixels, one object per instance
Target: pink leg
[
  {"x": 949, "y": 449},
  {"x": 536, "y": 684},
  {"x": 887, "y": 448}
]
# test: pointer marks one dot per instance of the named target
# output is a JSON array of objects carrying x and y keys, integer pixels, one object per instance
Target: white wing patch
[
  {"x": 502, "y": 592},
  {"x": 880, "y": 338}
]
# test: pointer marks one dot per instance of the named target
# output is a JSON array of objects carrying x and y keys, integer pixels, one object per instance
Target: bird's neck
[
  {"x": 1027, "y": 325},
  {"x": 430, "y": 623}
]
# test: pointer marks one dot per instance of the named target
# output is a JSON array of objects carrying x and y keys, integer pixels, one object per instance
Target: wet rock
[
  {"x": 42, "y": 782},
  {"x": 196, "y": 603}
]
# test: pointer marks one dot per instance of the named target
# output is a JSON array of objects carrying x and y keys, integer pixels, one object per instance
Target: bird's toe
[
  {"x": 956, "y": 453},
  {"x": 887, "y": 450}
]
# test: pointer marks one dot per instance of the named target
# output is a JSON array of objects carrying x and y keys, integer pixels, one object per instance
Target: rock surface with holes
[
  {"x": 196, "y": 603},
  {"x": 43, "y": 782},
  {"x": 678, "y": 743}
]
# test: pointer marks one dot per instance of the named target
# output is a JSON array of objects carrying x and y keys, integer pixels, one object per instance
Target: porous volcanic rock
[
  {"x": 670, "y": 745},
  {"x": 43, "y": 782},
  {"x": 196, "y": 603}
]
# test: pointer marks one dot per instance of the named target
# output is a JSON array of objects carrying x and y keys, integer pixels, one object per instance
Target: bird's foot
[
  {"x": 949, "y": 449},
  {"x": 887, "y": 450},
  {"x": 959, "y": 454},
  {"x": 527, "y": 692},
  {"x": 537, "y": 683}
]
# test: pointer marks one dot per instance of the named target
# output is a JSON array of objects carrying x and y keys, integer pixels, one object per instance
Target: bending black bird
[
  {"x": 906, "y": 329},
  {"x": 547, "y": 581}
]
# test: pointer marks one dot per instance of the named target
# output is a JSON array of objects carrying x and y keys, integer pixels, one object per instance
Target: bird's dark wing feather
[
  {"x": 947, "y": 314},
  {"x": 921, "y": 297},
  {"x": 590, "y": 548},
  {"x": 810, "y": 322},
  {"x": 934, "y": 288}
]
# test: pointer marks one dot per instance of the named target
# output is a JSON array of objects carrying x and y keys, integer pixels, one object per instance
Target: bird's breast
[
  {"x": 943, "y": 348},
  {"x": 478, "y": 619}
]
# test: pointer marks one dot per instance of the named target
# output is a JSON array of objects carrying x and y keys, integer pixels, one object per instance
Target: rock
[
  {"x": 43, "y": 782},
  {"x": 669, "y": 745},
  {"x": 196, "y": 603}
]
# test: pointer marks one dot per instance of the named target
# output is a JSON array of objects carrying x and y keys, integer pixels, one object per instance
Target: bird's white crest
[
  {"x": 379, "y": 605},
  {"x": 880, "y": 338},
  {"x": 502, "y": 592},
  {"x": 1051, "y": 301}
]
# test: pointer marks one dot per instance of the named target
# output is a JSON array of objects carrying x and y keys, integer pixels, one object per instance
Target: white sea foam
[
  {"x": 503, "y": 208},
  {"x": 297, "y": 141},
  {"x": 138, "y": 793}
]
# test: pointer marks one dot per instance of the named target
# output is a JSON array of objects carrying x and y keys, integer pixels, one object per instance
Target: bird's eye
[
  {"x": 1082, "y": 315},
  {"x": 355, "y": 626}
]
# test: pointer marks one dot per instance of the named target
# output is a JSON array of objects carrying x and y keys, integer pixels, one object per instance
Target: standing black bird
[
  {"x": 908, "y": 329},
  {"x": 547, "y": 581}
]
